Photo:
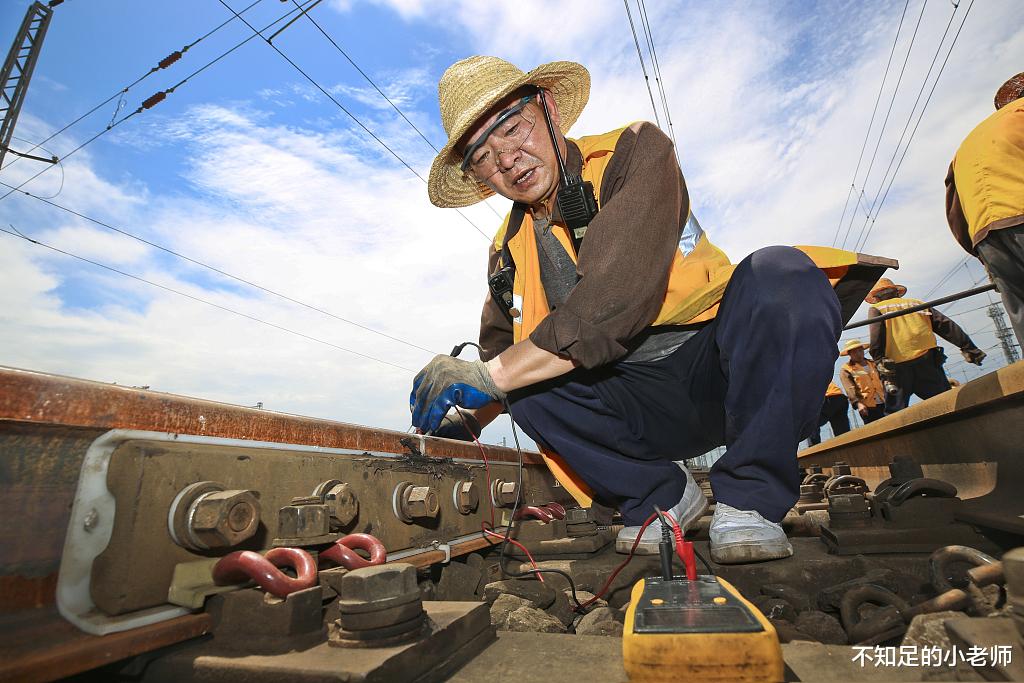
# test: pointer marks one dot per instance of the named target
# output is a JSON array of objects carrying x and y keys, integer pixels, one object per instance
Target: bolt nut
[
  {"x": 504, "y": 493},
  {"x": 419, "y": 502},
  {"x": 467, "y": 497},
  {"x": 223, "y": 519},
  {"x": 303, "y": 519},
  {"x": 578, "y": 516},
  {"x": 342, "y": 503},
  {"x": 379, "y": 583}
]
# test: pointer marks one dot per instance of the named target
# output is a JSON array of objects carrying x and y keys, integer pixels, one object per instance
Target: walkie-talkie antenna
[
  {"x": 575, "y": 199},
  {"x": 554, "y": 140}
]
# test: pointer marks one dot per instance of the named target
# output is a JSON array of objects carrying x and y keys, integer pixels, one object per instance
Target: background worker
[
  {"x": 618, "y": 336},
  {"x": 910, "y": 359},
  {"x": 833, "y": 411},
  {"x": 859, "y": 377},
  {"x": 985, "y": 197}
]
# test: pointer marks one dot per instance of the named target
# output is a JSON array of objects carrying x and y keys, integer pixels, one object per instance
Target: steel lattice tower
[
  {"x": 1004, "y": 334},
  {"x": 18, "y": 67}
]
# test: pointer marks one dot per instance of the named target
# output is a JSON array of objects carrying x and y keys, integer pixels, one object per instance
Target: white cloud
[{"x": 769, "y": 111}]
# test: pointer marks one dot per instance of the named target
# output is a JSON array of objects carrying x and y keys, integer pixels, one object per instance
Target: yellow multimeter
[{"x": 704, "y": 629}]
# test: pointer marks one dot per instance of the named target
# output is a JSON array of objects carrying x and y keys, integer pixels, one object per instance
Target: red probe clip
[{"x": 684, "y": 549}]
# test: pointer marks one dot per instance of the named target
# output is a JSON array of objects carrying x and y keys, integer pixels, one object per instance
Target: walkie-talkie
[{"x": 575, "y": 198}]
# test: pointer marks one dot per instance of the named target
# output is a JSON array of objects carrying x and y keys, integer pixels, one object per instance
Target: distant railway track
[{"x": 972, "y": 436}]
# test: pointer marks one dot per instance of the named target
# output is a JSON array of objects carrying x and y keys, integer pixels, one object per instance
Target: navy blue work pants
[
  {"x": 924, "y": 376},
  {"x": 835, "y": 412},
  {"x": 751, "y": 379}
]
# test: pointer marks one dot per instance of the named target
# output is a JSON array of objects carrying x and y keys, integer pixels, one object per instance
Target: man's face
[
  {"x": 857, "y": 354},
  {"x": 528, "y": 173}
]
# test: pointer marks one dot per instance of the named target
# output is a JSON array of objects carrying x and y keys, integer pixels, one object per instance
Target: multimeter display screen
[
  {"x": 700, "y": 606},
  {"x": 715, "y": 619}
]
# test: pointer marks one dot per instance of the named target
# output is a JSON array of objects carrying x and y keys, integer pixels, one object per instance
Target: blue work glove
[{"x": 447, "y": 382}]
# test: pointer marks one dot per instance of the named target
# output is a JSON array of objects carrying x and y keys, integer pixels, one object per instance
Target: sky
[{"x": 249, "y": 168}]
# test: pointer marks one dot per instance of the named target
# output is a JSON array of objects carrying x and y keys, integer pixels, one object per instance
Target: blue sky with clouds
[{"x": 247, "y": 167}]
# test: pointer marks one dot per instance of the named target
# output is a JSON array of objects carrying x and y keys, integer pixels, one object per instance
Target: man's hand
[
  {"x": 862, "y": 409},
  {"x": 973, "y": 355},
  {"x": 447, "y": 382}
]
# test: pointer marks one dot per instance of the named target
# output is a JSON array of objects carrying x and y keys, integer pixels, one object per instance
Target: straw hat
[
  {"x": 884, "y": 283},
  {"x": 1010, "y": 91},
  {"x": 851, "y": 345},
  {"x": 472, "y": 86}
]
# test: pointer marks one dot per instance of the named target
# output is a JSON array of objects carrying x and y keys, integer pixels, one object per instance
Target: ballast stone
[
  {"x": 531, "y": 619},
  {"x": 539, "y": 595}
]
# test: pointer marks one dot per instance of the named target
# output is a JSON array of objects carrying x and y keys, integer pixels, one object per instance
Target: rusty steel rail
[
  {"x": 40, "y": 398},
  {"x": 969, "y": 436},
  {"x": 47, "y": 423}
]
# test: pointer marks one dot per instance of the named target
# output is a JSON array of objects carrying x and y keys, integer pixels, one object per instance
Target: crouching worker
[{"x": 618, "y": 336}]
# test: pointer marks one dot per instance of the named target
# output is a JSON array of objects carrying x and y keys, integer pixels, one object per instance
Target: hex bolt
[
  {"x": 1013, "y": 568},
  {"x": 305, "y": 517},
  {"x": 578, "y": 516},
  {"x": 223, "y": 519},
  {"x": 415, "y": 502},
  {"x": 380, "y": 582},
  {"x": 504, "y": 493},
  {"x": 466, "y": 496},
  {"x": 341, "y": 501}
]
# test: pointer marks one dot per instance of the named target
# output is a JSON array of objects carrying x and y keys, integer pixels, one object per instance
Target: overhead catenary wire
[
  {"x": 962, "y": 263},
  {"x": 645, "y": 24},
  {"x": 924, "y": 107},
  {"x": 149, "y": 102},
  {"x": 643, "y": 68},
  {"x": 56, "y": 160},
  {"x": 162, "y": 64},
  {"x": 375, "y": 87},
  {"x": 224, "y": 273},
  {"x": 356, "y": 119},
  {"x": 19, "y": 235},
  {"x": 888, "y": 113},
  {"x": 871, "y": 123}
]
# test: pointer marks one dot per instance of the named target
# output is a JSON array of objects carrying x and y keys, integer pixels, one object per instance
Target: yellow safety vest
[
  {"x": 908, "y": 336},
  {"x": 696, "y": 282},
  {"x": 833, "y": 390},
  {"x": 869, "y": 384},
  {"x": 989, "y": 172}
]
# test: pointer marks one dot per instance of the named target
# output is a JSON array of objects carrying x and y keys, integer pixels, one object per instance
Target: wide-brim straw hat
[
  {"x": 1011, "y": 90},
  {"x": 471, "y": 87},
  {"x": 884, "y": 283},
  {"x": 851, "y": 345}
]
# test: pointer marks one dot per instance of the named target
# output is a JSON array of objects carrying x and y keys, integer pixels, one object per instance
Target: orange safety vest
[
  {"x": 833, "y": 390},
  {"x": 869, "y": 385},
  {"x": 989, "y": 172},
  {"x": 908, "y": 336},
  {"x": 697, "y": 279}
]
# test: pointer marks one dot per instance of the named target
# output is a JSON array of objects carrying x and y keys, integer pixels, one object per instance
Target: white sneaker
[
  {"x": 739, "y": 536},
  {"x": 686, "y": 512}
]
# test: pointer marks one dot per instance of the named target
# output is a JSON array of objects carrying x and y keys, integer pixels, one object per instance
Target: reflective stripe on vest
[
  {"x": 989, "y": 172},
  {"x": 869, "y": 384},
  {"x": 908, "y": 336}
]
